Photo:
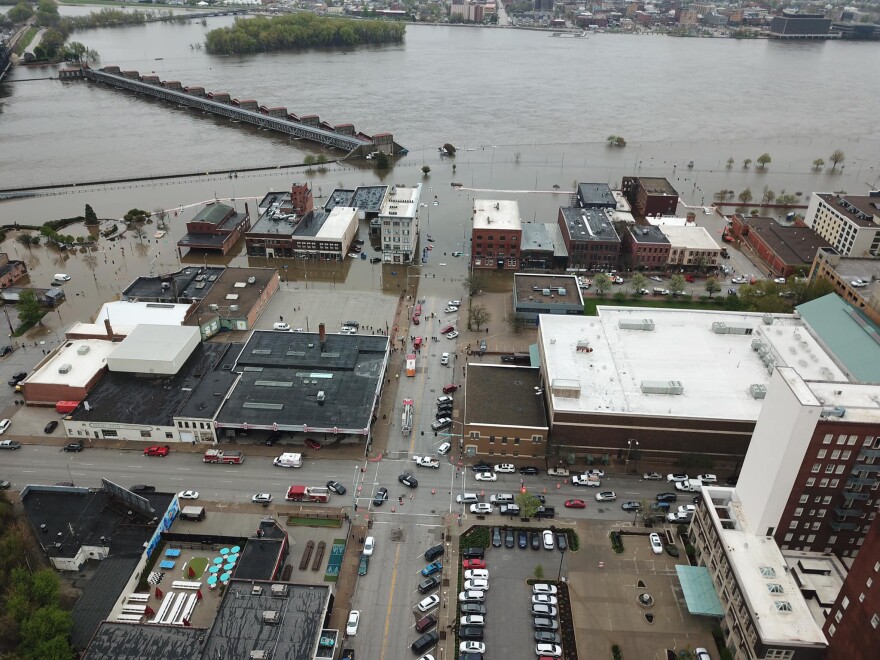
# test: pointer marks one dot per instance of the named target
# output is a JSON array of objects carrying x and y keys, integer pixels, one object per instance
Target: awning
[{"x": 699, "y": 592}]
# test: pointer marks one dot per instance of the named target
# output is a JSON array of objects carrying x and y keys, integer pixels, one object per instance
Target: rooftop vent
[
  {"x": 662, "y": 387},
  {"x": 636, "y": 324},
  {"x": 233, "y": 308},
  {"x": 256, "y": 590},
  {"x": 767, "y": 319},
  {"x": 721, "y": 328},
  {"x": 279, "y": 590},
  {"x": 836, "y": 411},
  {"x": 213, "y": 307},
  {"x": 64, "y": 369},
  {"x": 252, "y": 280},
  {"x": 82, "y": 350},
  {"x": 757, "y": 391},
  {"x": 271, "y": 617},
  {"x": 258, "y": 654}
]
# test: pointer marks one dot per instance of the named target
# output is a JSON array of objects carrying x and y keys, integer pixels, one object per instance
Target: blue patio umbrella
[
  {"x": 228, "y": 567},
  {"x": 214, "y": 569},
  {"x": 225, "y": 577},
  {"x": 212, "y": 579},
  {"x": 224, "y": 551},
  {"x": 218, "y": 560},
  {"x": 236, "y": 549}
]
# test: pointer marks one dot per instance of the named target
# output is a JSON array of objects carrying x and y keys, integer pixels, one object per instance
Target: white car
[
  {"x": 429, "y": 603},
  {"x": 443, "y": 449},
  {"x": 678, "y": 517},
  {"x": 543, "y": 599},
  {"x": 598, "y": 474},
  {"x": 672, "y": 478},
  {"x": 473, "y": 620},
  {"x": 345, "y": 330},
  {"x": 476, "y": 574},
  {"x": 544, "y": 589},
  {"x": 779, "y": 280},
  {"x": 505, "y": 468},
  {"x": 702, "y": 654},
  {"x": 482, "y": 508},
  {"x": 687, "y": 509},
  {"x": 283, "y": 327},
  {"x": 858, "y": 283},
  {"x": 708, "y": 478},
  {"x": 738, "y": 280},
  {"x": 454, "y": 303},
  {"x": 545, "y": 611},
  {"x": 486, "y": 476},
  {"x": 547, "y": 537},
  {"x": 656, "y": 544},
  {"x": 548, "y": 650},
  {"x": 369, "y": 545},
  {"x": 450, "y": 310},
  {"x": 262, "y": 498},
  {"x": 473, "y": 596},
  {"x": 476, "y": 585},
  {"x": 452, "y": 335},
  {"x": 606, "y": 496},
  {"x": 354, "y": 618},
  {"x": 655, "y": 278},
  {"x": 652, "y": 476},
  {"x": 444, "y": 358},
  {"x": 189, "y": 495},
  {"x": 4, "y": 425},
  {"x": 472, "y": 647}
]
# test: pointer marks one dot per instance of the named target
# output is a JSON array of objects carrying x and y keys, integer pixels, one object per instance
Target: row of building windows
[
  {"x": 201, "y": 425},
  {"x": 479, "y": 237}
]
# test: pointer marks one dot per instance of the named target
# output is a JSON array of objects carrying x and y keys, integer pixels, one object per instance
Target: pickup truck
[
  {"x": 426, "y": 462},
  {"x": 585, "y": 480},
  {"x": 557, "y": 472}
]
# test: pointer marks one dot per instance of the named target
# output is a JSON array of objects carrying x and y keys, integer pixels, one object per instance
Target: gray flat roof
[
  {"x": 234, "y": 282},
  {"x": 527, "y": 286},
  {"x": 239, "y": 627},
  {"x": 184, "y": 284},
  {"x": 100, "y": 595},
  {"x": 589, "y": 225},
  {"x": 283, "y": 372},
  {"x": 369, "y": 198},
  {"x": 537, "y": 237},
  {"x": 657, "y": 185},
  {"x": 339, "y": 197},
  {"x": 125, "y": 641},
  {"x": 648, "y": 234},
  {"x": 150, "y": 399},
  {"x": 503, "y": 395},
  {"x": 596, "y": 194}
]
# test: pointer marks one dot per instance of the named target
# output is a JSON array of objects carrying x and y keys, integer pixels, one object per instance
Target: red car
[
  {"x": 689, "y": 278},
  {"x": 575, "y": 504},
  {"x": 447, "y": 329},
  {"x": 157, "y": 450},
  {"x": 473, "y": 563},
  {"x": 449, "y": 389},
  {"x": 311, "y": 443}
]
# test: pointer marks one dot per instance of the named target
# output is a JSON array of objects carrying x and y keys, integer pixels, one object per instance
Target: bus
[{"x": 410, "y": 365}]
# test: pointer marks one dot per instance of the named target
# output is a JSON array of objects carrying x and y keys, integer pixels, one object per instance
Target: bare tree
[
  {"x": 478, "y": 316},
  {"x": 837, "y": 156}
]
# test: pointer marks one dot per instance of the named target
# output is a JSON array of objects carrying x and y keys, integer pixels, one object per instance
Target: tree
[
  {"x": 382, "y": 161},
  {"x": 637, "y": 282},
  {"x": 768, "y": 196},
  {"x": 676, "y": 282},
  {"x": 29, "y": 309},
  {"x": 136, "y": 215},
  {"x": 478, "y": 316},
  {"x": 722, "y": 195},
  {"x": 763, "y": 160},
  {"x": 20, "y": 13},
  {"x": 528, "y": 504},
  {"x": 818, "y": 164},
  {"x": 449, "y": 149},
  {"x": 73, "y": 51},
  {"x": 746, "y": 163},
  {"x": 601, "y": 282},
  {"x": 712, "y": 286},
  {"x": 426, "y": 169},
  {"x": 309, "y": 160},
  {"x": 514, "y": 323},
  {"x": 616, "y": 141},
  {"x": 837, "y": 156},
  {"x": 745, "y": 196},
  {"x": 91, "y": 217},
  {"x": 730, "y": 162}
]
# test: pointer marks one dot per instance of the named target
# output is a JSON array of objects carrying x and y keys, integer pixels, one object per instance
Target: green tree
[
  {"x": 449, "y": 149},
  {"x": 478, "y": 316},
  {"x": 382, "y": 160},
  {"x": 712, "y": 286},
  {"x": 73, "y": 51},
  {"x": 730, "y": 162},
  {"x": 136, "y": 215},
  {"x": 29, "y": 309},
  {"x": 426, "y": 169},
  {"x": 677, "y": 283},
  {"x": 763, "y": 160},
  {"x": 768, "y": 196},
  {"x": 474, "y": 283},
  {"x": 91, "y": 217},
  {"x": 309, "y": 160},
  {"x": 818, "y": 164},
  {"x": 528, "y": 504},
  {"x": 602, "y": 282},
  {"x": 837, "y": 156},
  {"x": 745, "y": 196},
  {"x": 40, "y": 630},
  {"x": 746, "y": 163},
  {"x": 20, "y": 13},
  {"x": 638, "y": 281},
  {"x": 514, "y": 323}
]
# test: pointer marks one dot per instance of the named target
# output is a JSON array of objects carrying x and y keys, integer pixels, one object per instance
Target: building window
[
  {"x": 816, "y": 467},
  {"x": 816, "y": 526},
  {"x": 826, "y": 500},
  {"x": 869, "y": 582},
  {"x": 109, "y": 433},
  {"x": 823, "y": 483},
  {"x": 169, "y": 436},
  {"x": 845, "y": 602},
  {"x": 804, "y": 499},
  {"x": 834, "y": 483},
  {"x": 810, "y": 482},
  {"x": 798, "y": 512},
  {"x": 831, "y": 630},
  {"x": 821, "y": 453},
  {"x": 792, "y": 524},
  {"x": 846, "y": 454},
  {"x": 840, "y": 468},
  {"x": 829, "y": 469},
  {"x": 827, "y": 439},
  {"x": 835, "y": 454},
  {"x": 145, "y": 434},
  {"x": 841, "y": 439},
  {"x": 821, "y": 513}
]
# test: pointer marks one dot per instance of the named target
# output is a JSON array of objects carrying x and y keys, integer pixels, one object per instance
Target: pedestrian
[{"x": 280, "y": 318}]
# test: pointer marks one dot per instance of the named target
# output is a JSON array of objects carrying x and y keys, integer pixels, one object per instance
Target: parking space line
[{"x": 390, "y": 602}]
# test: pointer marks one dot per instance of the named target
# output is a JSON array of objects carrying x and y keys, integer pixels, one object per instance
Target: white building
[
  {"x": 851, "y": 223},
  {"x": 154, "y": 349},
  {"x": 399, "y": 218},
  {"x": 691, "y": 246}
]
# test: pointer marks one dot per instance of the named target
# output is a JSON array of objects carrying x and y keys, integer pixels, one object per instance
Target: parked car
[
  {"x": 544, "y": 610},
  {"x": 679, "y": 476},
  {"x": 476, "y": 585},
  {"x": 575, "y": 504},
  {"x": 548, "y": 650},
  {"x": 51, "y": 426},
  {"x": 433, "y": 567},
  {"x": 535, "y": 540},
  {"x": 470, "y": 632},
  {"x": 630, "y": 506},
  {"x": 529, "y": 469},
  {"x": 671, "y": 550},
  {"x": 496, "y": 537},
  {"x": 544, "y": 599},
  {"x": 505, "y": 468},
  {"x": 545, "y": 623},
  {"x": 474, "y": 553},
  {"x": 369, "y": 545},
  {"x": 700, "y": 653},
  {"x": 17, "y": 378},
  {"x": 282, "y": 327},
  {"x": 142, "y": 488},
  {"x": 188, "y": 495},
  {"x": 472, "y": 620},
  {"x": 606, "y": 496},
  {"x": 547, "y": 536},
  {"x": 468, "y": 564},
  {"x": 74, "y": 446},
  {"x": 262, "y": 498},
  {"x": 428, "y": 585},
  {"x": 449, "y": 389},
  {"x": 482, "y": 508},
  {"x": 472, "y": 647},
  {"x": 4, "y": 425},
  {"x": 473, "y": 608},
  {"x": 522, "y": 540},
  {"x": 656, "y": 543},
  {"x": 547, "y": 637},
  {"x": 311, "y": 443},
  {"x": 452, "y": 335},
  {"x": 429, "y": 603},
  {"x": 667, "y": 497},
  {"x": 274, "y": 437},
  {"x": 486, "y": 476},
  {"x": 157, "y": 450},
  {"x": 541, "y": 588},
  {"x": 444, "y": 448},
  {"x": 708, "y": 478},
  {"x": 508, "y": 538},
  {"x": 481, "y": 467},
  {"x": 562, "y": 541},
  {"x": 652, "y": 476},
  {"x": 442, "y": 423},
  {"x": 351, "y": 627},
  {"x": 6, "y": 350},
  {"x": 470, "y": 597},
  {"x": 10, "y": 444}
]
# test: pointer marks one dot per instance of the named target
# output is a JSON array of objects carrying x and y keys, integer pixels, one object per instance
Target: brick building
[
  {"x": 848, "y": 222},
  {"x": 590, "y": 238},
  {"x": 855, "y": 280},
  {"x": 650, "y": 195},
  {"x": 217, "y": 227},
  {"x": 10, "y": 270},
  {"x": 784, "y": 250},
  {"x": 647, "y": 248},
  {"x": 496, "y": 235}
]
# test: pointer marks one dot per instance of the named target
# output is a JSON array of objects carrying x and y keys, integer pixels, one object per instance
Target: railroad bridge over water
[{"x": 307, "y": 127}]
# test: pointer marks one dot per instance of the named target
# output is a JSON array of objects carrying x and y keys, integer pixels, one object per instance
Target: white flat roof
[
  {"x": 402, "y": 202},
  {"x": 669, "y": 221},
  {"x": 338, "y": 222},
  {"x": 761, "y": 571},
  {"x": 862, "y": 402},
  {"x": 496, "y": 214},
  {"x": 83, "y": 366},
  {"x": 154, "y": 342},
  {"x": 690, "y": 236},
  {"x": 715, "y": 370},
  {"x": 124, "y": 315}
]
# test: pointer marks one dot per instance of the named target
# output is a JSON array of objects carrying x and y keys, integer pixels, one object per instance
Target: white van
[
  {"x": 61, "y": 277},
  {"x": 501, "y": 498},
  {"x": 467, "y": 498},
  {"x": 289, "y": 460},
  {"x": 283, "y": 327}
]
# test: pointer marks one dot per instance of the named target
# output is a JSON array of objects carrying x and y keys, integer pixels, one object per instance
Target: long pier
[{"x": 342, "y": 136}]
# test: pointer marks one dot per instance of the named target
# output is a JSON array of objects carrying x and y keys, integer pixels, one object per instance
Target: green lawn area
[
  {"x": 294, "y": 521},
  {"x": 25, "y": 40},
  {"x": 198, "y": 565}
]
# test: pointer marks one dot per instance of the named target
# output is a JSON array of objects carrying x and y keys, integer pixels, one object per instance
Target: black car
[
  {"x": 482, "y": 466},
  {"x": 442, "y": 414},
  {"x": 536, "y": 541},
  {"x": 275, "y": 437},
  {"x": 51, "y": 426},
  {"x": 380, "y": 496},
  {"x": 467, "y": 553},
  {"x": 470, "y": 632},
  {"x": 408, "y": 480},
  {"x": 375, "y": 260},
  {"x": 546, "y": 637},
  {"x": 496, "y": 537},
  {"x": 17, "y": 378},
  {"x": 336, "y": 487},
  {"x": 473, "y": 608},
  {"x": 630, "y": 506},
  {"x": 74, "y": 446},
  {"x": 667, "y": 497},
  {"x": 507, "y": 358},
  {"x": 522, "y": 540},
  {"x": 6, "y": 350},
  {"x": 352, "y": 324},
  {"x": 562, "y": 541},
  {"x": 142, "y": 488},
  {"x": 540, "y": 498},
  {"x": 508, "y": 538},
  {"x": 428, "y": 585},
  {"x": 444, "y": 408},
  {"x": 529, "y": 469}
]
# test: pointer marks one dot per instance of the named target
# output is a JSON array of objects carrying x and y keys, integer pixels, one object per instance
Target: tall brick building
[{"x": 650, "y": 195}]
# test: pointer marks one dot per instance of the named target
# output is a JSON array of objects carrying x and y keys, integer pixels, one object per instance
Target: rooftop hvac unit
[
  {"x": 82, "y": 350},
  {"x": 662, "y": 387},
  {"x": 757, "y": 344},
  {"x": 64, "y": 369},
  {"x": 546, "y": 292},
  {"x": 279, "y": 590},
  {"x": 256, "y": 590},
  {"x": 767, "y": 319},
  {"x": 321, "y": 398},
  {"x": 721, "y": 328},
  {"x": 213, "y": 307},
  {"x": 258, "y": 654},
  {"x": 252, "y": 280},
  {"x": 271, "y": 617},
  {"x": 836, "y": 411},
  {"x": 233, "y": 308},
  {"x": 757, "y": 391},
  {"x": 636, "y": 324},
  {"x": 562, "y": 291}
]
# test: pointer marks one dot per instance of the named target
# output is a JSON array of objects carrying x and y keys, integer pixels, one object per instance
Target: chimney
[
  {"x": 109, "y": 329},
  {"x": 322, "y": 334}
]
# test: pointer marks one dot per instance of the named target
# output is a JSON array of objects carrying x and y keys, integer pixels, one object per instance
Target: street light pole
[{"x": 629, "y": 446}]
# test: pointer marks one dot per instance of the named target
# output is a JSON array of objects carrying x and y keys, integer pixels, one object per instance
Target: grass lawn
[
  {"x": 198, "y": 565},
  {"x": 293, "y": 521},
  {"x": 25, "y": 40}
]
